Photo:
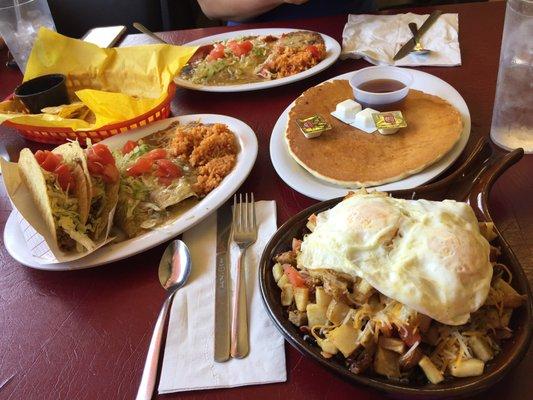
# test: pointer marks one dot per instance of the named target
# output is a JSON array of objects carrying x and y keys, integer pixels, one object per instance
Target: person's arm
[{"x": 237, "y": 10}]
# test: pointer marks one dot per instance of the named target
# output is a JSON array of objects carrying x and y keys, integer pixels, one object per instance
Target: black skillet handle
[{"x": 478, "y": 197}]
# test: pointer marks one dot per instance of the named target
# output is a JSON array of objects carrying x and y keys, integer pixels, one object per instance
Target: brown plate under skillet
[{"x": 472, "y": 183}]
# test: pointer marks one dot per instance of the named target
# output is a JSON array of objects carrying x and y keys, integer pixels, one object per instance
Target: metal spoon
[
  {"x": 418, "y": 50},
  {"x": 141, "y": 28},
  {"x": 174, "y": 269}
]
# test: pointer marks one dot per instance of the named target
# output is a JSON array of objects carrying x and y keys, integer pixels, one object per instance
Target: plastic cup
[
  {"x": 512, "y": 118},
  {"x": 19, "y": 22},
  {"x": 43, "y": 91}
]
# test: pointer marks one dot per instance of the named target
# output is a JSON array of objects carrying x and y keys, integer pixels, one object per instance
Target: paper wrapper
[
  {"x": 116, "y": 84},
  {"x": 41, "y": 244}
]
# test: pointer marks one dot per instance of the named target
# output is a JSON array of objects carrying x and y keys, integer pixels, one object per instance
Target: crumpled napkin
[
  {"x": 377, "y": 38},
  {"x": 188, "y": 362}
]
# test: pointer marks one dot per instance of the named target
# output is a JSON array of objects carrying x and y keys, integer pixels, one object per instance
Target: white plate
[
  {"x": 302, "y": 181},
  {"x": 333, "y": 49},
  {"x": 16, "y": 245}
]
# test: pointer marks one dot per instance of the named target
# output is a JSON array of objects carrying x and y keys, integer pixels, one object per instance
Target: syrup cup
[{"x": 381, "y": 101}]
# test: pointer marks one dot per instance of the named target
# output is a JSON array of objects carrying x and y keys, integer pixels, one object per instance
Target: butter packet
[
  {"x": 389, "y": 122},
  {"x": 313, "y": 126}
]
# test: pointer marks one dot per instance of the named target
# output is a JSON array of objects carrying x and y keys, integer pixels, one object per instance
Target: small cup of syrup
[{"x": 382, "y": 88}]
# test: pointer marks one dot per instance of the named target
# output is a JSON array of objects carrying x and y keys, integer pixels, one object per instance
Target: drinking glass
[
  {"x": 512, "y": 118},
  {"x": 19, "y": 22}
]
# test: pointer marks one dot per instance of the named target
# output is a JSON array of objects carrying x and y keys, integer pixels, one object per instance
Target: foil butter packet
[
  {"x": 41, "y": 245},
  {"x": 313, "y": 126},
  {"x": 389, "y": 122}
]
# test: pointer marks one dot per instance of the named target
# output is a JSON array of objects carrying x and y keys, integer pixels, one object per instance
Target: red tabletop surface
[{"x": 84, "y": 334}]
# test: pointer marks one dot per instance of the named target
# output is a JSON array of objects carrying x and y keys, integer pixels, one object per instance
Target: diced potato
[
  {"x": 480, "y": 348},
  {"x": 301, "y": 298},
  {"x": 311, "y": 222},
  {"x": 298, "y": 318},
  {"x": 344, "y": 338},
  {"x": 465, "y": 368},
  {"x": 393, "y": 344},
  {"x": 277, "y": 271},
  {"x": 362, "y": 291},
  {"x": 366, "y": 337},
  {"x": 336, "y": 312},
  {"x": 488, "y": 231},
  {"x": 322, "y": 298},
  {"x": 431, "y": 371},
  {"x": 316, "y": 315},
  {"x": 327, "y": 346},
  {"x": 387, "y": 363},
  {"x": 511, "y": 297},
  {"x": 284, "y": 280},
  {"x": 287, "y": 295}
]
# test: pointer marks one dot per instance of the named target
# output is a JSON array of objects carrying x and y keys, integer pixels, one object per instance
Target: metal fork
[{"x": 244, "y": 234}]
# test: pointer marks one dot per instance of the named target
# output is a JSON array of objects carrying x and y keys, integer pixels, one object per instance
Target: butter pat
[
  {"x": 388, "y": 131},
  {"x": 346, "y": 111},
  {"x": 364, "y": 120}
]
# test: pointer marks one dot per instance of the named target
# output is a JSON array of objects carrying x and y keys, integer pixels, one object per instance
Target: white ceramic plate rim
[
  {"x": 333, "y": 49},
  {"x": 16, "y": 246},
  {"x": 302, "y": 181}
]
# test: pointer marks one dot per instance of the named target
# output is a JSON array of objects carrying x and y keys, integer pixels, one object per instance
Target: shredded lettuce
[{"x": 65, "y": 210}]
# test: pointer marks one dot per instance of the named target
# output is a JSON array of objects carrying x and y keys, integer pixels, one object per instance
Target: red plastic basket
[{"x": 46, "y": 134}]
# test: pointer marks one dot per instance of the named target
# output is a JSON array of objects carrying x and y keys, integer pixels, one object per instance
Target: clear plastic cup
[
  {"x": 512, "y": 118},
  {"x": 19, "y": 22}
]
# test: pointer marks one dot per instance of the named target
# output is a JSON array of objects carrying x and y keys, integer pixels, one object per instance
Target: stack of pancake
[{"x": 350, "y": 157}]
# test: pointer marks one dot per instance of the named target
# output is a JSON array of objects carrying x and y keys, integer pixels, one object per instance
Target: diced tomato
[
  {"x": 48, "y": 160},
  {"x": 167, "y": 169},
  {"x": 103, "y": 153},
  {"x": 128, "y": 146},
  {"x": 110, "y": 173},
  {"x": 164, "y": 181},
  {"x": 240, "y": 48},
  {"x": 64, "y": 177},
  {"x": 156, "y": 154},
  {"x": 95, "y": 167},
  {"x": 216, "y": 53},
  {"x": 295, "y": 278},
  {"x": 141, "y": 166},
  {"x": 314, "y": 51},
  {"x": 40, "y": 156}
]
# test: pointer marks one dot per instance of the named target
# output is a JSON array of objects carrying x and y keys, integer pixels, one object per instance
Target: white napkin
[
  {"x": 377, "y": 38},
  {"x": 188, "y": 362}
]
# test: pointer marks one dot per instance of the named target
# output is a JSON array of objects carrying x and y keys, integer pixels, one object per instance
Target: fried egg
[{"x": 428, "y": 255}]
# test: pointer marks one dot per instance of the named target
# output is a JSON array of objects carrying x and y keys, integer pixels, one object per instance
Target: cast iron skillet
[{"x": 472, "y": 183}]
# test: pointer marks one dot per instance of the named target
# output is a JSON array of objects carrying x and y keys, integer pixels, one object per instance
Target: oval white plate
[
  {"x": 16, "y": 245},
  {"x": 302, "y": 181},
  {"x": 333, "y": 49}
]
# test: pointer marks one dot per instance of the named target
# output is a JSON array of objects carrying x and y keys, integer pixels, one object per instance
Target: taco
[
  {"x": 104, "y": 183},
  {"x": 59, "y": 187},
  {"x": 151, "y": 182}
]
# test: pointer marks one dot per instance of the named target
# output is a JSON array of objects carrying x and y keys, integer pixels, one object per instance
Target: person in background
[{"x": 270, "y": 10}]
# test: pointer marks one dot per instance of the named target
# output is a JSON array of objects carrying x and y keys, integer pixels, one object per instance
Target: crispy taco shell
[{"x": 34, "y": 178}]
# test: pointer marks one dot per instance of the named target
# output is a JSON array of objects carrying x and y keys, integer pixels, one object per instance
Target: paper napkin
[
  {"x": 188, "y": 362},
  {"x": 377, "y": 38}
]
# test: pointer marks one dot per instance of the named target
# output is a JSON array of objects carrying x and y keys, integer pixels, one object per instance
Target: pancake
[{"x": 347, "y": 156}]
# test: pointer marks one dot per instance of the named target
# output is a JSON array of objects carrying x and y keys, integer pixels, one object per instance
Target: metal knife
[
  {"x": 410, "y": 45},
  {"x": 222, "y": 310}
]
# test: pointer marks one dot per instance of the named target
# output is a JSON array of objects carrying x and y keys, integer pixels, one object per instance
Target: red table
[{"x": 84, "y": 334}]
